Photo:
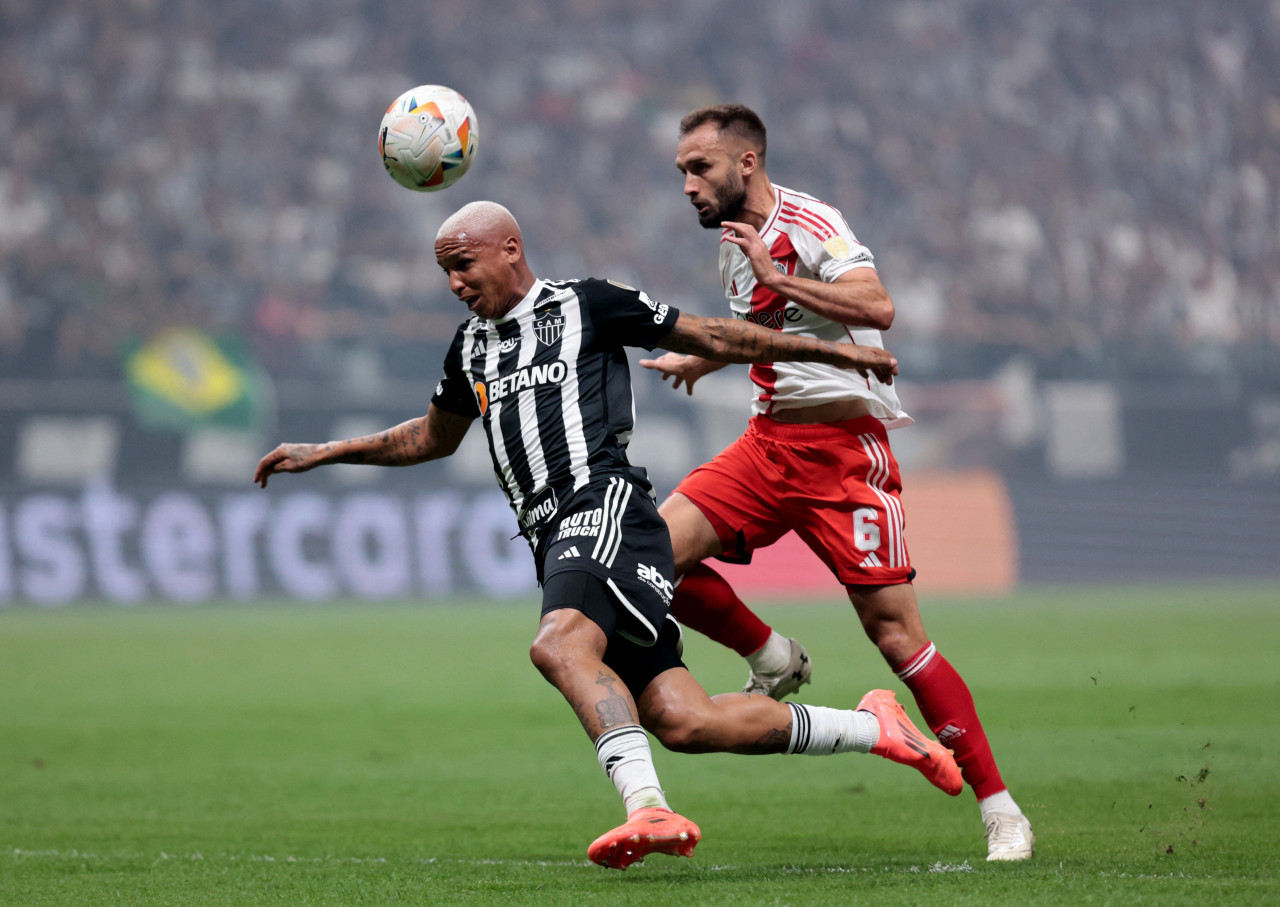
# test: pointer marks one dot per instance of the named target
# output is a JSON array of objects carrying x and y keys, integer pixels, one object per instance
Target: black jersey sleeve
[
  {"x": 627, "y": 316},
  {"x": 454, "y": 393}
]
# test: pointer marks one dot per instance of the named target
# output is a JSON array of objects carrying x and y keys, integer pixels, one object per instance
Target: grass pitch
[{"x": 411, "y": 754}]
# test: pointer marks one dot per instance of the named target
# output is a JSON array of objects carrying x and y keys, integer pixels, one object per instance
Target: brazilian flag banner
[{"x": 183, "y": 379}]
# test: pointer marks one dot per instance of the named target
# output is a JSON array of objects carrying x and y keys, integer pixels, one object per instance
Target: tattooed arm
[
  {"x": 429, "y": 437},
  {"x": 730, "y": 340}
]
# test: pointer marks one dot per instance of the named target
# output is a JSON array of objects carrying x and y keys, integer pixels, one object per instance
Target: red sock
[
  {"x": 947, "y": 705},
  {"x": 704, "y": 601}
]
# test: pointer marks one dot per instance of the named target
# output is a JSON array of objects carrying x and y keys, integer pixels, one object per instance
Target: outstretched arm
[
  {"x": 684, "y": 369},
  {"x": 730, "y": 340},
  {"x": 429, "y": 437}
]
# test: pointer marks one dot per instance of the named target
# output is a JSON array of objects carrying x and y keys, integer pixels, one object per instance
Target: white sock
[
  {"x": 998, "y": 803},
  {"x": 773, "y": 656},
  {"x": 625, "y": 756},
  {"x": 820, "y": 731}
]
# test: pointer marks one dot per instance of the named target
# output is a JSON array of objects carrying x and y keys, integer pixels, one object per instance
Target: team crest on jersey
[{"x": 549, "y": 328}]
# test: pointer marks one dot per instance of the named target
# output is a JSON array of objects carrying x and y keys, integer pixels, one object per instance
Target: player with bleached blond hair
[{"x": 540, "y": 363}]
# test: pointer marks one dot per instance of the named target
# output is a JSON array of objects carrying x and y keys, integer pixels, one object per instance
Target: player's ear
[
  {"x": 511, "y": 247},
  {"x": 748, "y": 162}
]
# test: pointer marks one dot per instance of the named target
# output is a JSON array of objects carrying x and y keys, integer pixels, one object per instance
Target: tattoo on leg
[
  {"x": 774, "y": 740},
  {"x": 580, "y": 709},
  {"x": 613, "y": 710}
]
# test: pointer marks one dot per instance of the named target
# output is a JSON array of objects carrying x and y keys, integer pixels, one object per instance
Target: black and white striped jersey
[{"x": 551, "y": 384}]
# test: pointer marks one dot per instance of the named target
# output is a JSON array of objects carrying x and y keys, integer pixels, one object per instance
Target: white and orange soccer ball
[{"x": 428, "y": 138}]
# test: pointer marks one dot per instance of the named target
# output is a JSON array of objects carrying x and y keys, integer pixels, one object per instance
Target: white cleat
[
  {"x": 1009, "y": 838},
  {"x": 785, "y": 682}
]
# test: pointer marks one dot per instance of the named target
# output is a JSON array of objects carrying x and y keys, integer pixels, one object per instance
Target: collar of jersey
[
  {"x": 523, "y": 305},
  {"x": 773, "y": 215}
]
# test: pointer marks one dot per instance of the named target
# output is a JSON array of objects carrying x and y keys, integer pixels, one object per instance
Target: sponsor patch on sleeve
[{"x": 837, "y": 247}]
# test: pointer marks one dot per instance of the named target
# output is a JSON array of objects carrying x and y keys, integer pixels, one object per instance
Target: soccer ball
[{"x": 428, "y": 138}]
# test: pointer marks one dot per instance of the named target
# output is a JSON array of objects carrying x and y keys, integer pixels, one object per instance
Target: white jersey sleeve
[{"x": 806, "y": 238}]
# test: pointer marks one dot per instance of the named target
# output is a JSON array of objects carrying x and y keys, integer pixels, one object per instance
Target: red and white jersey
[{"x": 806, "y": 238}]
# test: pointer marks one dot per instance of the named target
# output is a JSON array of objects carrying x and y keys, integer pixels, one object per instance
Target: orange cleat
[
  {"x": 901, "y": 741},
  {"x": 648, "y": 830}
]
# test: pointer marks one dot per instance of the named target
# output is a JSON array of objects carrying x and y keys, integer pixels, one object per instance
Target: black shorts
[
  {"x": 635, "y": 665},
  {"x": 611, "y": 529}
]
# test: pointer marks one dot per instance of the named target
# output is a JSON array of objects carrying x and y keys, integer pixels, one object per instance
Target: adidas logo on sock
[
  {"x": 571, "y": 551},
  {"x": 949, "y": 733}
]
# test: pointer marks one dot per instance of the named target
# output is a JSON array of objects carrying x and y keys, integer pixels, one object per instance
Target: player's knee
[
  {"x": 550, "y": 659},
  {"x": 894, "y": 652},
  {"x": 895, "y": 641},
  {"x": 682, "y": 739},
  {"x": 542, "y": 659},
  {"x": 566, "y": 640},
  {"x": 685, "y": 732},
  {"x": 891, "y": 620}
]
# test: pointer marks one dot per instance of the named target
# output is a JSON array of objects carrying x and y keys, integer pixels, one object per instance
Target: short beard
[{"x": 728, "y": 203}]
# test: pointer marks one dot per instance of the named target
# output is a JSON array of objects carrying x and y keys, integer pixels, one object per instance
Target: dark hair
[{"x": 735, "y": 119}]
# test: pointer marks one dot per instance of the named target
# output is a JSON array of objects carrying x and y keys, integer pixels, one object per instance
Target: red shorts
[{"x": 835, "y": 483}]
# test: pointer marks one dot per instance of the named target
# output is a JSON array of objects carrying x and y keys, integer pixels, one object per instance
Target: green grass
[{"x": 411, "y": 754}]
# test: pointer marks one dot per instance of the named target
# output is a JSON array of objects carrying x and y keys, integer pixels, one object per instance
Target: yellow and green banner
[{"x": 183, "y": 378}]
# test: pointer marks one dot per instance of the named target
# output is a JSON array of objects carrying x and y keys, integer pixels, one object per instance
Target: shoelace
[
  {"x": 757, "y": 685},
  {"x": 1004, "y": 832}
]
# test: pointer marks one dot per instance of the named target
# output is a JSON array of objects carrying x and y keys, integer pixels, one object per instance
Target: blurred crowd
[{"x": 1079, "y": 180}]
